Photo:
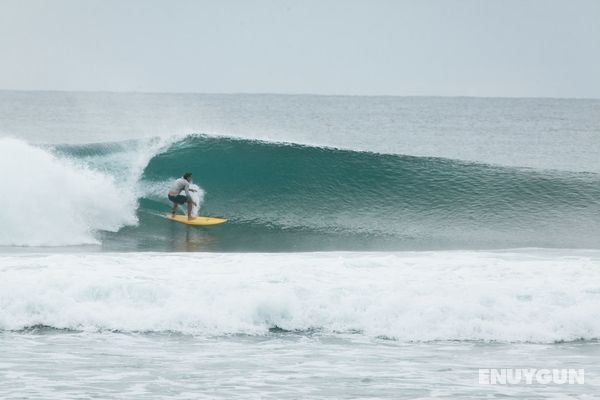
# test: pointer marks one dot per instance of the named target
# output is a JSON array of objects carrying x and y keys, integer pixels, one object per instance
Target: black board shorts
[{"x": 179, "y": 199}]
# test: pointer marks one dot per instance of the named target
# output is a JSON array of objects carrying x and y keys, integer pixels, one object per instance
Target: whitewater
[
  {"x": 421, "y": 296},
  {"x": 375, "y": 245}
]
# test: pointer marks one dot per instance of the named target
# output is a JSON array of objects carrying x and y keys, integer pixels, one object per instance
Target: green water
[{"x": 282, "y": 197}]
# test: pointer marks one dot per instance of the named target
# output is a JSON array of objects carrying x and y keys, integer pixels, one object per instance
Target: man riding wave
[{"x": 182, "y": 184}]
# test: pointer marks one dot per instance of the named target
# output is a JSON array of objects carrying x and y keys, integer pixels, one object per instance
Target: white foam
[
  {"x": 45, "y": 200},
  {"x": 506, "y": 296}
]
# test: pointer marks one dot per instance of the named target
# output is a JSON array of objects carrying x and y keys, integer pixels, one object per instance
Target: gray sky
[{"x": 421, "y": 47}]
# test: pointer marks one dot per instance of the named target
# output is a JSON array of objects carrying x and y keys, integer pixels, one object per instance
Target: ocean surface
[{"x": 377, "y": 247}]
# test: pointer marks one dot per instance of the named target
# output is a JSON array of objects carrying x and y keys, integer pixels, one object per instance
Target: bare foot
[{"x": 191, "y": 218}]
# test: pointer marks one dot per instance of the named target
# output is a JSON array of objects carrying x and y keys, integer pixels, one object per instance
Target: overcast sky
[{"x": 518, "y": 48}]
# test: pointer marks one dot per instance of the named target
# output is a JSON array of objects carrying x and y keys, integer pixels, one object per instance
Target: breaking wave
[{"x": 287, "y": 197}]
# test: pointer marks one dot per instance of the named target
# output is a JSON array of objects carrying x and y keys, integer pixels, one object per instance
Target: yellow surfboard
[{"x": 198, "y": 221}]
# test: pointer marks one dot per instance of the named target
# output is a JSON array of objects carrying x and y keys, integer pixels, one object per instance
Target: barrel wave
[{"x": 289, "y": 197}]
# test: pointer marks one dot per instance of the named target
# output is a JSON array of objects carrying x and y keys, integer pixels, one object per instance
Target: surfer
[{"x": 182, "y": 184}]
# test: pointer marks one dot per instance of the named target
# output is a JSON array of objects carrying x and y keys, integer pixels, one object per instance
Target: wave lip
[{"x": 525, "y": 296}]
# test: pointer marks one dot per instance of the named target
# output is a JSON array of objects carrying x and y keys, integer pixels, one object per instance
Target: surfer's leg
[
  {"x": 190, "y": 206},
  {"x": 175, "y": 205}
]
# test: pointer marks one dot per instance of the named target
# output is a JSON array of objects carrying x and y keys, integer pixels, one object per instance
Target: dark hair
[{"x": 187, "y": 175}]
